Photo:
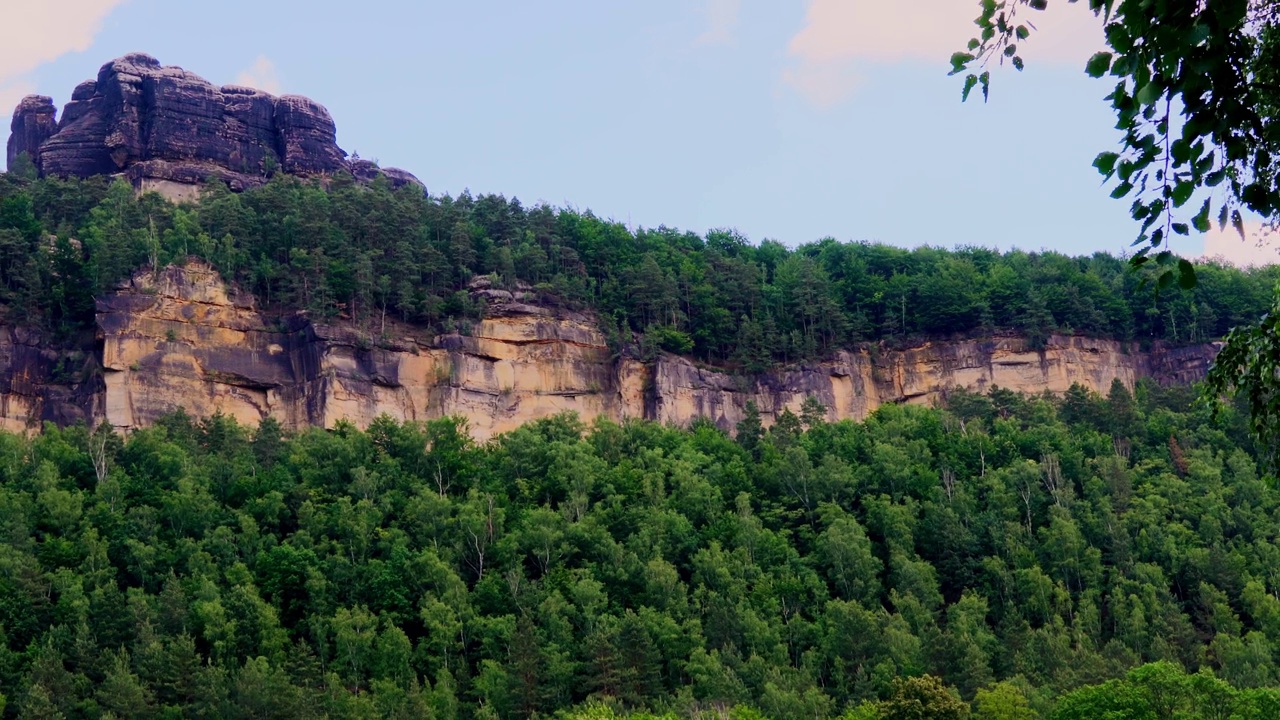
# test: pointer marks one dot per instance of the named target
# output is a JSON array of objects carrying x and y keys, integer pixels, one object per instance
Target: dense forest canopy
[
  {"x": 370, "y": 254},
  {"x": 1018, "y": 555}
]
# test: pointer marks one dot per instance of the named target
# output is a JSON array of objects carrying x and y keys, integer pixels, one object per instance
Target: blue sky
[{"x": 792, "y": 119}]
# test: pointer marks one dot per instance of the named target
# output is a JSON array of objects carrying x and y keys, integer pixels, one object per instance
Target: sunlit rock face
[
  {"x": 854, "y": 383},
  {"x": 182, "y": 338},
  {"x": 170, "y": 130}
]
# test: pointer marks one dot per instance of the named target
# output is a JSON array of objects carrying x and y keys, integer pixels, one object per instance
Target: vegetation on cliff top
[
  {"x": 1022, "y": 552},
  {"x": 368, "y": 253}
]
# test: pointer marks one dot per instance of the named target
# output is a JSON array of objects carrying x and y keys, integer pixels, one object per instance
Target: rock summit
[{"x": 168, "y": 129}]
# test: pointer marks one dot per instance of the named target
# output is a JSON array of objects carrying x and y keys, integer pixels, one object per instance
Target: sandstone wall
[{"x": 181, "y": 338}]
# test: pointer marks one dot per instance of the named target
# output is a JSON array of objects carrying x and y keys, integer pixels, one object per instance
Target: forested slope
[
  {"x": 366, "y": 254},
  {"x": 1014, "y": 548}
]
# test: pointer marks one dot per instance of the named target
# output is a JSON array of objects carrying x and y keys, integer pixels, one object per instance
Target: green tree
[
  {"x": 1003, "y": 701},
  {"x": 922, "y": 698}
]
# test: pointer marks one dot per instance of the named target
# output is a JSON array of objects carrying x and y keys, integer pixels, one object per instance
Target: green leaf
[
  {"x": 1201, "y": 221},
  {"x": 1205, "y": 164},
  {"x": 974, "y": 44},
  {"x": 1098, "y": 65},
  {"x": 969, "y": 83},
  {"x": 1106, "y": 162},
  {"x": 1166, "y": 279},
  {"x": 1238, "y": 223},
  {"x": 959, "y": 61},
  {"x": 1022, "y": 32},
  {"x": 985, "y": 80},
  {"x": 1121, "y": 190},
  {"x": 1118, "y": 37},
  {"x": 1018, "y": 64},
  {"x": 1182, "y": 192},
  {"x": 1186, "y": 274},
  {"x": 1180, "y": 228},
  {"x": 1038, "y": 4},
  {"x": 1149, "y": 93}
]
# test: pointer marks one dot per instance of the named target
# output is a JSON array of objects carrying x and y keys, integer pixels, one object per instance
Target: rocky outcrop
[
  {"x": 34, "y": 121},
  {"x": 855, "y": 383},
  {"x": 182, "y": 338},
  {"x": 168, "y": 129}
]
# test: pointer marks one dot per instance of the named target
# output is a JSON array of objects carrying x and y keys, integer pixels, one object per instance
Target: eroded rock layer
[
  {"x": 182, "y": 338},
  {"x": 168, "y": 129}
]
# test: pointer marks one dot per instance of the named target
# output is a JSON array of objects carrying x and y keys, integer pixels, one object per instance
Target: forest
[
  {"x": 368, "y": 255},
  {"x": 999, "y": 556},
  {"x": 1002, "y": 556}
]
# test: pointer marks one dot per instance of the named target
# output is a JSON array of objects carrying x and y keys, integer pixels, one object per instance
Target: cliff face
[
  {"x": 182, "y": 338},
  {"x": 855, "y": 383},
  {"x": 169, "y": 130}
]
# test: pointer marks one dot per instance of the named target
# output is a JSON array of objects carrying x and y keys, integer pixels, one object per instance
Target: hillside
[
  {"x": 310, "y": 288},
  {"x": 284, "y": 436},
  {"x": 1015, "y": 549},
  {"x": 182, "y": 338}
]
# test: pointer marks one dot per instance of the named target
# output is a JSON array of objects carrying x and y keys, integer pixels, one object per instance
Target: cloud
[
  {"x": 39, "y": 32},
  {"x": 261, "y": 75},
  {"x": 12, "y": 92},
  {"x": 824, "y": 84},
  {"x": 841, "y": 38},
  {"x": 1258, "y": 247},
  {"x": 722, "y": 20}
]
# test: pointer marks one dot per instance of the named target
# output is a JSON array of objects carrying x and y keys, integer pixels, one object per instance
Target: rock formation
[
  {"x": 182, "y": 338},
  {"x": 168, "y": 129},
  {"x": 34, "y": 121}
]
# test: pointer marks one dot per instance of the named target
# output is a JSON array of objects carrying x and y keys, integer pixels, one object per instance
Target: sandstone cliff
[
  {"x": 182, "y": 338},
  {"x": 169, "y": 130}
]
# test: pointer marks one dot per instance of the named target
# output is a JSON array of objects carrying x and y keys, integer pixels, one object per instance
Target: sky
[{"x": 785, "y": 119}]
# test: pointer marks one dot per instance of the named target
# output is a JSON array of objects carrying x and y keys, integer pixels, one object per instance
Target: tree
[
  {"x": 1197, "y": 98},
  {"x": 923, "y": 698},
  {"x": 846, "y": 552},
  {"x": 1003, "y": 701},
  {"x": 122, "y": 693},
  {"x": 1248, "y": 366},
  {"x": 750, "y": 429},
  {"x": 355, "y": 631}
]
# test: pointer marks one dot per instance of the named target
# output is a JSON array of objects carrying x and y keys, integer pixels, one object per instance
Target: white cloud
[
  {"x": 1258, "y": 247},
  {"x": 841, "y": 37},
  {"x": 39, "y": 32},
  {"x": 261, "y": 75},
  {"x": 722, "y": 20},
  {"x": 12, "y": 92}
]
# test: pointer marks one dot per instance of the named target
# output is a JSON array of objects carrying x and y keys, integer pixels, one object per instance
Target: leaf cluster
[{"x": 1195, "y": 103}]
